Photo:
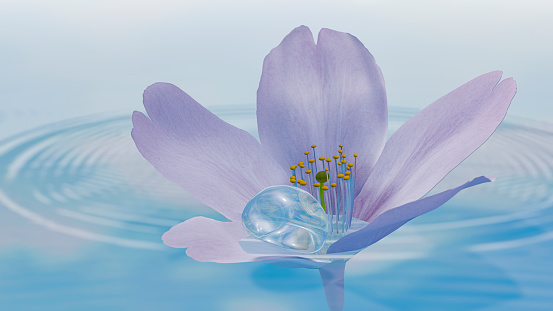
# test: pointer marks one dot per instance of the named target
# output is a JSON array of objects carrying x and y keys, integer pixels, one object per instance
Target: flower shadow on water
[
  {"x": 279, "y": 279},
  {"x": 452, "y": 281}
]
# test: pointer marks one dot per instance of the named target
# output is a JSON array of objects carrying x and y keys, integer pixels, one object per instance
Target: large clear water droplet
[{"x": 287, "y": 217}]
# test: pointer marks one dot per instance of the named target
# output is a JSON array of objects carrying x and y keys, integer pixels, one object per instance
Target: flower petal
[
  {"x": 432, "y": 143},
  {"x": 220, "y": 165},
  {"x": 326, "y": 94},
  {"x": 209, "y": 240},
  {"x": 392, "y": 219}
]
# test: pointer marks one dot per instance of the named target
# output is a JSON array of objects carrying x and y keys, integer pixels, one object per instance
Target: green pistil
[
  {"x": 322, "y": 197},
  {"x": 322, "y": 178}
]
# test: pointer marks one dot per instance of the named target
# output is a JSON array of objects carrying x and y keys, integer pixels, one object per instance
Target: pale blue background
[
  {"x": 66, "y": 59},
  {"x": 60, "y": 59}
]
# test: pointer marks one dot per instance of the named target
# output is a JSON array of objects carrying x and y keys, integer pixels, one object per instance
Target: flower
[{"x": 325, "y": 93}]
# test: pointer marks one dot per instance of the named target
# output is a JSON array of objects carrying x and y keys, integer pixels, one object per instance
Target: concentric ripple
[{"x": 85, "y": 178}]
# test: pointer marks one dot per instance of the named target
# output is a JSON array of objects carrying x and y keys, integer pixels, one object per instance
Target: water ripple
[{"x": 85, "y": 178}]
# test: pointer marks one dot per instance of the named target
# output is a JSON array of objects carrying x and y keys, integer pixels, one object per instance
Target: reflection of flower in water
[{"x": 329, "y": 93}]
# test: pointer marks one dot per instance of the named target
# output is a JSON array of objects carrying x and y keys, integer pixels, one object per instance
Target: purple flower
[{"x": 328, "y": 93}]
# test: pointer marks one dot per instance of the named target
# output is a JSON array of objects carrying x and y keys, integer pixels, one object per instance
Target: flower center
[{"x": 315, "y": 178}]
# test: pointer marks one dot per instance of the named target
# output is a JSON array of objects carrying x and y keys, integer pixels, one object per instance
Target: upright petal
[
  {"x": 220, "y": 165},
  {"x": 209, "y": 240},
  {"x": 392, "y": 219},
  {"x": 432, "y": 143},
  {"x": 328, "y": 93}
]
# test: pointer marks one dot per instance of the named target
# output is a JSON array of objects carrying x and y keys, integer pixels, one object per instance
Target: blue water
[{"x": 81, "y": 216}]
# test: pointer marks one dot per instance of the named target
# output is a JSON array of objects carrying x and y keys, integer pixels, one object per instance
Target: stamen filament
[
  {"x": 335, "y": 201},
  {"x": 314, "y": 157}
]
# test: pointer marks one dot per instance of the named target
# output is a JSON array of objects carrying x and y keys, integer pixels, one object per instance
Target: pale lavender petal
[
  {"x": 328, "y": 93},
  {"x": 432, "y": 143},
  {"x": 209, "y": 240},
  {"x": 392, "y": 219},
  {"x": 220, "y": 165},
  {"x": 333, "y": 282}
]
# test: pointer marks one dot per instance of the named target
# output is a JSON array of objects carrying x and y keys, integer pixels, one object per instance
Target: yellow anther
[
  {"x": 340, "y": 176},
  {"x": 311, "y": 160},
  {"x": 326, "y": 169},
  {"x": 301, "y": 165},
  {"x": 293, "y": 167},
  {"x": 306, "y": 153},
  {"x": 308, "y": 172},
  {"x": 302, "y": 182},
  {"x": 343, "y": 155},
  {"x": 339, "y": 163},
  {"x": 333, "y": 184},
  {"x": 313, "y": 146},
  {"x": 328, "y": 159},
  {"x": 346, "y": 178},
  {"x": 292, "y": 181},
  {"x": 350, "y": 164},
  {"x": 340, "y": 151},
  {"x": 316, "y": 184},
  {"x": 322, "y": 158},
  {"x": 324, "y": 188},
  {"x": 355, "y": 155},
  {"x": 335, "y": 156},
  {"x": 340, "y": 146},
  {"x": 344, "y": 161},
  {"x": 348, "y": 172}
]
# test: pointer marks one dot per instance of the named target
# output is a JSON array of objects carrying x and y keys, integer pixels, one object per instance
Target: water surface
[{"x": 82, "y": 214}]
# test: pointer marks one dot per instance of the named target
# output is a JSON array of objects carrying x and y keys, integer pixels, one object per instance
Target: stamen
[
  {"x": 328, "y": 199},
  {"x": 335, "y": 203},
  {"x": 348, "y": 206},
  {"x": 314, "y": 157},
  {"x": 355, "y": 176},
  {"x": 293, "y": 168},
  {"x": 338, "y": 202},
  {"x": 327, "y": 169}
]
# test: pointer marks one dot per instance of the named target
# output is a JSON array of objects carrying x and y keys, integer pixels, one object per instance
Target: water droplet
[{"x": 287, "y": 217}]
